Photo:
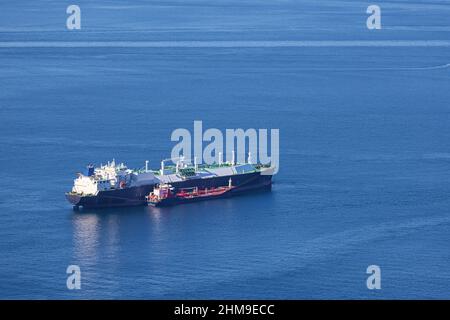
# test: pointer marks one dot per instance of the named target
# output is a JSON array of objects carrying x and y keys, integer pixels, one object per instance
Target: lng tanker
[{"x": 115, "y": 185}]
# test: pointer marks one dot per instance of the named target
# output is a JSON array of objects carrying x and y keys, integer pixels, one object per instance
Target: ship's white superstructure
[
  {"x": 110, "y": 176},
  {"x": 84, "y": 185}
]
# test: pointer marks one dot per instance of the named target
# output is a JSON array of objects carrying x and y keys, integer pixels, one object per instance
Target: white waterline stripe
[{"x": 224, "y": 44}]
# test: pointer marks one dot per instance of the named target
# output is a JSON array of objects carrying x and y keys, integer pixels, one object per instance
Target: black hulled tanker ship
[{"x": 114, "y": 185}]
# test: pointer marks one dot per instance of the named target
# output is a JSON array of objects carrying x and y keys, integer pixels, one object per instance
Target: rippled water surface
[{"x": 364, "y": 140}]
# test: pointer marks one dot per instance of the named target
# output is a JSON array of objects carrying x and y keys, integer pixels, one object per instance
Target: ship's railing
[{"x": 172, "y": 168}]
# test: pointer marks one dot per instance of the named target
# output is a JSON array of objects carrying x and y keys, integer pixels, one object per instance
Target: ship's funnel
[{"x": 90, "y": 170}]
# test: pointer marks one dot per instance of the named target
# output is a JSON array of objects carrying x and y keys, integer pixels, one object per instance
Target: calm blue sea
[{"x": 364, "y": 149}]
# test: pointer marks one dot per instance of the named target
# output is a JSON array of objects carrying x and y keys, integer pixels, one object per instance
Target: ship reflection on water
[
  {"x": 166, "y": 249},
  {"x": 103, "y": 232},
  {"x": 100, "y": 229},
  {"x": 97, "y": 232},
  {"x": 86, "y": 237}
]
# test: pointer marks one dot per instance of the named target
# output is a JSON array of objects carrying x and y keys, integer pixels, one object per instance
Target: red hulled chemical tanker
[{"x": 166, "y": 195}]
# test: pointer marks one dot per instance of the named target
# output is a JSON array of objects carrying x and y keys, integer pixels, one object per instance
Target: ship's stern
[{"x": 74, "y": 199}]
